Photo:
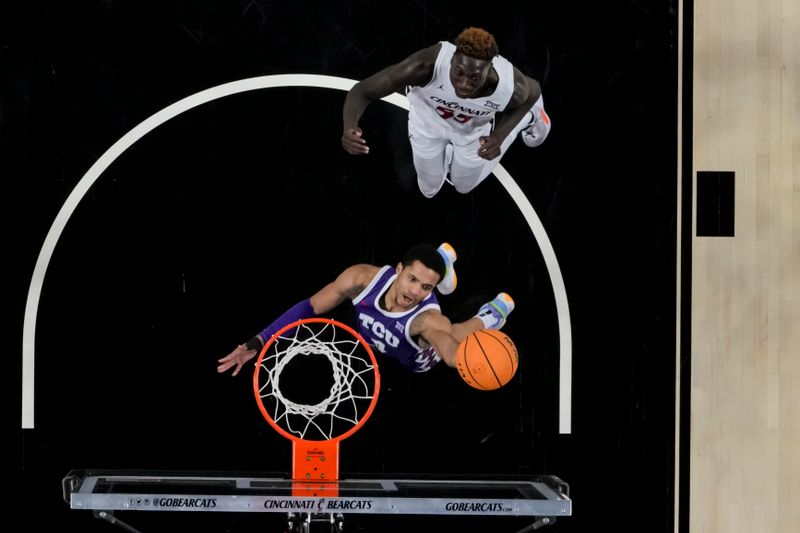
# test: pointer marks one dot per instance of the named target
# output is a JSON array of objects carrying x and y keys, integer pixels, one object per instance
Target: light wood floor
[{"x": 745, "y": 378}]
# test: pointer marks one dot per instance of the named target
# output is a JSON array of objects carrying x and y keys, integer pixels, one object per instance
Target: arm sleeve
[{"x": 296, "y": 312}]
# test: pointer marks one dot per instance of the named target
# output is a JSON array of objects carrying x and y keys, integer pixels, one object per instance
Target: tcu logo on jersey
[{"x": 378, "y": 335}]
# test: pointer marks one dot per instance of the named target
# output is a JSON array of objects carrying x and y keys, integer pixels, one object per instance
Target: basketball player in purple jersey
[
  {"x": 454, "y": 91},
  {"x": 397, "y": 312}
]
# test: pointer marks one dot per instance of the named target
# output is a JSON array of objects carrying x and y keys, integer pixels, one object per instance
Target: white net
[{"x": 353, "y": 381}]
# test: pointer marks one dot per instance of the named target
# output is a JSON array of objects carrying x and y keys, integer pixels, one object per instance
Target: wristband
[
  {"x": 298, "y": 311},
  {"x": 255, "y": 343}
]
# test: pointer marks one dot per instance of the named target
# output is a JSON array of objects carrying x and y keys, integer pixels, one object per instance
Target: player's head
[
  {"x": 477, "y": 43},
  {"x": 472, "y": 62},
  {"x": 428, "y": 256},
  {"x": 420, "y": 269}
]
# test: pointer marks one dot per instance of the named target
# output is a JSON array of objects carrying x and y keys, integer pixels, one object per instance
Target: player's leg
[
  {"x": 428, "y": 153},
  {"x": 467, "y": 169},
  {"x": 430, "y": 173}
]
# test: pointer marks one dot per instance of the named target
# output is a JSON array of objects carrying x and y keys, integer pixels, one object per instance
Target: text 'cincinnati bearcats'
[{"x": 319, "y": 505}]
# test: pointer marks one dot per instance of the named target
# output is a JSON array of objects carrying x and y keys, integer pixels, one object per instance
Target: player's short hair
[
  {"x": 477, "y": 43},
  {"x": 428, "y": 256}
]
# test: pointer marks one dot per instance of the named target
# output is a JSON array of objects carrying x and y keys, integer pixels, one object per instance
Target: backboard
[{"x": 543, "y": 498}]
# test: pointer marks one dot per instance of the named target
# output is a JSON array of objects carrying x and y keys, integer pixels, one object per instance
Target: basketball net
[{"x": 316, "y": 429}]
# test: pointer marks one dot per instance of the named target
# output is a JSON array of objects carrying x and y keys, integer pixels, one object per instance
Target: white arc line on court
[{"x": 251, "y": 84}]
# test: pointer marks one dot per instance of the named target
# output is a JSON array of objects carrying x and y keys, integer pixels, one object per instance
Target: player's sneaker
[
  {"x": 494, "y": 313},
  {"x": 449, "y": 281},
  {"x": 538, "y": 129}
]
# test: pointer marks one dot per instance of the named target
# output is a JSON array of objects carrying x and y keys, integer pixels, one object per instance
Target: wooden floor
[{"x": 745, "y": 323}]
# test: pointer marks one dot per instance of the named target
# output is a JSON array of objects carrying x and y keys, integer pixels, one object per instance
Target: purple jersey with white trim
[{"x": 389, "y": 332}]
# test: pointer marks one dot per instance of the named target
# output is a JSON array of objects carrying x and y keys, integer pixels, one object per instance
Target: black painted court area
[{"x": 217, "y": 221}]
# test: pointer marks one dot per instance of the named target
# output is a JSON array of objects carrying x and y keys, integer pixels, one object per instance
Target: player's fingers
[
  {"x": 488, "y": 153},
  {"x": 356, "y": 140},
  {"x": 356, "y": 148}
]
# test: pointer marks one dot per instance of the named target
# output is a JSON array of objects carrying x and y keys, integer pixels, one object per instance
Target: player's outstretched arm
[
  {"x": 437, "y": 330},
  {"x": 416, "y": 69},
  {"x": 445, "y": 337},
  {"x": 347, "y": 285}
]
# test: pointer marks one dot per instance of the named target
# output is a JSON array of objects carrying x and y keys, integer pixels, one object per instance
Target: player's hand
[
  {"x": 236, "y": 359},
  {"x": 353, "y": 143},
  {"x": 489, "y": 148}
]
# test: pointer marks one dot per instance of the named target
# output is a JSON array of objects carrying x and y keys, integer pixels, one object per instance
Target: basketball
[{"x": 487, "y": 359}]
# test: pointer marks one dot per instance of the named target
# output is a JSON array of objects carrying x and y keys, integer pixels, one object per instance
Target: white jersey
[{"x": 436, "y": 104}]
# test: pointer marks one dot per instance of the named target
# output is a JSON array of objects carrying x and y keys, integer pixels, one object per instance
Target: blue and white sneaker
[
  {"x": 448, "y": 283},
  {"x": 493, "y": 314}
]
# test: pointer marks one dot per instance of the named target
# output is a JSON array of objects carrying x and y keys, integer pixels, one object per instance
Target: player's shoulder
[
  {"x": 415, "y": 69},
  {"x": 422, "y": 60},
  {"x": 428, "y": 53},
  {"x": 361, "y": 273}
]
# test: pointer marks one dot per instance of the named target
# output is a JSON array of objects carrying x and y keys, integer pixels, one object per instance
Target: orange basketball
[{"x": 487, "y": 359}]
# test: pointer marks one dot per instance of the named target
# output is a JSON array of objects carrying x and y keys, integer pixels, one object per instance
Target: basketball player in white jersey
[{"x": 454, "y": 91}]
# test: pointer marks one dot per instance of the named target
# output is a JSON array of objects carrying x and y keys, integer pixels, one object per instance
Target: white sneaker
[
  {"x": 536, "y": 132},
  {"x": 448, "y": 283}
]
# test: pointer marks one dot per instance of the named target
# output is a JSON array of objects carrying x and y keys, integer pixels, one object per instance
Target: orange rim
[{"x": 358, "y": 337}]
